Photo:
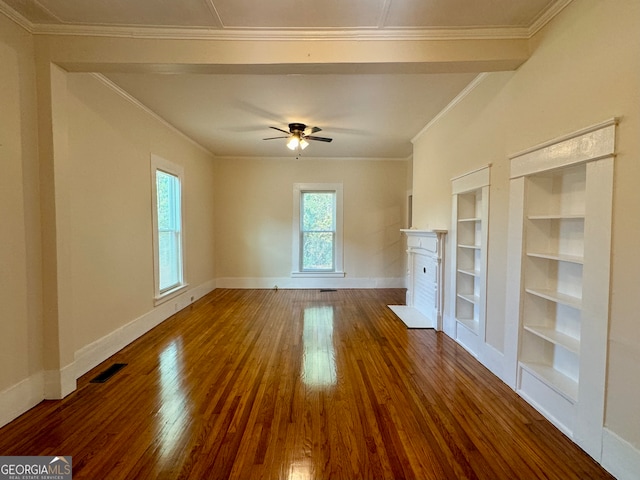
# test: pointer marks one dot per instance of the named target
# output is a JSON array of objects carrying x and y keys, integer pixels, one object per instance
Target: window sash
[
  {"x": 335, "y": 230},
  {"x": 317, "y": 235},
  {"x": 168, "y": 202},
  {"x": 169, "y": 276}
]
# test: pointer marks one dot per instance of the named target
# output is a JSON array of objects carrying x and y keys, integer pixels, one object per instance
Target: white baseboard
[
  {"x": 57, "y": 384},
  {"x": 619, "y": 457},
  {"x": 302, "y": 283},
  {"x": 97, "y": 352},
  {"x": 22, "y": 396},
  {"x": 493, "y": 359}
]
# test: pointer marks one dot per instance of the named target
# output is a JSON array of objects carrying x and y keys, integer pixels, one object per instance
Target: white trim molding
[
  {"x": 22, "y": 396},
  {"x": 57, "y": 384},
  {"x": 338, "y": 270},
  {"x": 588, "y": 144},
  {"x": 97, "y": 352},
  {"x": 452, "y": 104},
  {"x": 619, "y": 457},
  {"x": 568, "y": 389},
  {"x": 301, "y": 283}
]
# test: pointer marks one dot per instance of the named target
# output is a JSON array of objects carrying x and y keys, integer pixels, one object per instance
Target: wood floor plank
[{"x": 297, "y": 384}]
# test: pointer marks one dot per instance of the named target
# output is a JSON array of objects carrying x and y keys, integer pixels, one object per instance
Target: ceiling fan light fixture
[
  {"x": 293, "y": 142},
  {"x": 297, "y": 138}
]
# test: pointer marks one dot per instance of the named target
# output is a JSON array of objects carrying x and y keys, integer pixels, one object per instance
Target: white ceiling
[{"x": 369, "y": 115}]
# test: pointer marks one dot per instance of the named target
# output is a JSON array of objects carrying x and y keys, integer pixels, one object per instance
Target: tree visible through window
[
  {"x": 318, "y": 231},
  {"x": 169, "y": 223}
]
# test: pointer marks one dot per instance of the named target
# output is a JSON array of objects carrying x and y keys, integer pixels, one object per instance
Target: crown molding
[
  {"x": 458, "y": 98},
  {"x": 371, "y": 34},
  {"x": 137, "y": 103},
  {"x": 260, "y": 35},
  {"x": 18, "y": 19},
  {"x": 546, "y": 16}
]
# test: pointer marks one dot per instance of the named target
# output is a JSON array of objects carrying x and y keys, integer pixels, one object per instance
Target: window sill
[
  {"x": 317, "y": 274},
  {"x": 169, "y": 294}
]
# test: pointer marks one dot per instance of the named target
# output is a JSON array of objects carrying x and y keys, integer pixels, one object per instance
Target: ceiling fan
[{"x": 298, "y": 135}]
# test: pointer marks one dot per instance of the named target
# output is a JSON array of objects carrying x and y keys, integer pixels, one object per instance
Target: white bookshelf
[
  {"x": 470, "y": 210},
  {"x": 552, "y": 304},
  {"x": 558, "y": 279}
]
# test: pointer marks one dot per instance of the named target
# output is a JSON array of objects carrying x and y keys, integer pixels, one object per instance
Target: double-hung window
[
  {"x": 167, "y": 228},
  {"x": 317, "y": 230}
]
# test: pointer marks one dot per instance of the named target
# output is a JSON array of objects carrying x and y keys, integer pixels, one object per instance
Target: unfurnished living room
[{"x": 369, "y": 239}]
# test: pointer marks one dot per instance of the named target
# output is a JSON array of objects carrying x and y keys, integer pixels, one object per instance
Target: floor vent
[
  {"x": 328, "y": 290},
  {"x": 109, "y": 372}
]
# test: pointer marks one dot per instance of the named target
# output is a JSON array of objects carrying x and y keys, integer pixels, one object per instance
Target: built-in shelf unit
[
  {"x": 469, "y": 235},
  {"x": 558, "y": 278}
]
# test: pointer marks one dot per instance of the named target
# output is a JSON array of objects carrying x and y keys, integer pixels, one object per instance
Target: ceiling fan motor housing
[{"x": 297, "y": 127}]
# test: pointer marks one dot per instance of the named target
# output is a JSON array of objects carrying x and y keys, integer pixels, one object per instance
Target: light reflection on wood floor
[{"x": 296, "y": 384}]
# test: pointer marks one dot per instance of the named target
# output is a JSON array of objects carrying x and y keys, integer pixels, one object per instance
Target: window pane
[
  {"x": 169, "y": 248},
  {"x": 168, "y": 260},
  {"x": 318, "y": 211},
  {"x": 167, "y": 192},
  {"x": 317, "y": 251}
]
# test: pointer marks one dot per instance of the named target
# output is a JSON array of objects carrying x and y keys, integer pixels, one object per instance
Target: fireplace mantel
[{"x": 423, "y": 309}]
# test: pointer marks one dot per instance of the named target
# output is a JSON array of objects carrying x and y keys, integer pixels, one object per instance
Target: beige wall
[
  {"x": 585, "y": 68},
  {"x": 20, "y": 277},
  {"x": 254, "y": 199},
  {"x": 110, "y": 145}
]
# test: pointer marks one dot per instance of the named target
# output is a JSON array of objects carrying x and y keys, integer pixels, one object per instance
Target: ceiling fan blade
[
  {"x": 273, "y": 138},
  {"x": 319, "y": 139},
  {"x": 281, "y": 130},
  {"x": 311, "y": 130}
]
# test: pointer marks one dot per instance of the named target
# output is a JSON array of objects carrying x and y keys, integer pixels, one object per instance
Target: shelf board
[
  {"x": 560, "y": 257},
  {"x": 469, "y": 323},
  {"x": 557, "y": 216},
  {"x": 554, "y": 296},
  {"x": 466, "y": 271},
  {"x": 473, "y": 247},
  {"x": 469, "y": 298},
  {"x": 557, "y": 338},
  {"x": 558, "y": 381},
  {"x": 474, "y": 219}
]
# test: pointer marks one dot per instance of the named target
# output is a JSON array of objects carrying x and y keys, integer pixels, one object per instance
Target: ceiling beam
[{"x": 282, "y": 56}]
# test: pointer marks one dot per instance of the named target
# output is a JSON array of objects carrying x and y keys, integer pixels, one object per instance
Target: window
[
  {"x": 317, "y": 230},
  {"x": 167, "y": 228}
]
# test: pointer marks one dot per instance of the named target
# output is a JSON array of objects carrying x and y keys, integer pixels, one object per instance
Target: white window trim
[
  {"x": 159, "y": 163},
  {"x": 296, "y": 272}
]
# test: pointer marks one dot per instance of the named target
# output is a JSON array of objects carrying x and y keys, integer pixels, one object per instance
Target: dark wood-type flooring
[{"x": 296, "y": 384}]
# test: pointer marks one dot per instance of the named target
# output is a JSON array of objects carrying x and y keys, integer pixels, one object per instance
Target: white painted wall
[{"x": 584, "y": 68}]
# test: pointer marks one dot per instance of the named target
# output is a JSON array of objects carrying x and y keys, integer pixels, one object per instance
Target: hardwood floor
[{"x": 296, "y": 384}]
